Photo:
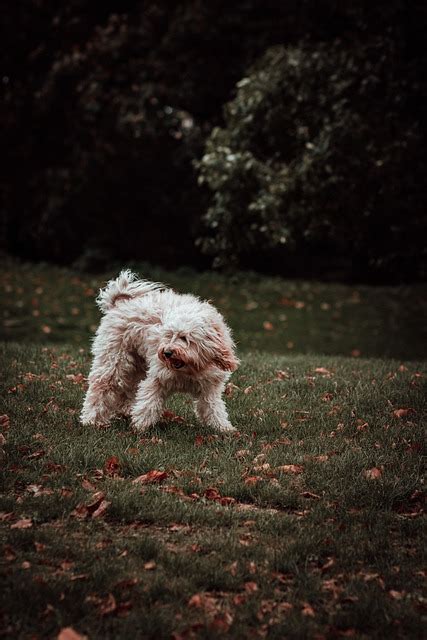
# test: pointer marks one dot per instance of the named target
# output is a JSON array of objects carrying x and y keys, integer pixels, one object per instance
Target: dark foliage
[
  {"x": 107, "y": 105},
  {"x": 308, "y": 167}
]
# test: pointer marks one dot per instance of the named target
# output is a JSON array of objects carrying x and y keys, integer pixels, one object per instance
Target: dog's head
[{"x": 192, "y": 345}]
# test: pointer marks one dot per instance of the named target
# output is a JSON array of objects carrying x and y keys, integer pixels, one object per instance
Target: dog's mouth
[{"x": 176, "y": 363}]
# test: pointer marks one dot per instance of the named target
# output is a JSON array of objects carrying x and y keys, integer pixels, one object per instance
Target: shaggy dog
[{"x": 153, "y": 342}]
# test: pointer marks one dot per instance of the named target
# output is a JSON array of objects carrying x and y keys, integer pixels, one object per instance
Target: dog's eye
[{"x": 184, "y": 338}]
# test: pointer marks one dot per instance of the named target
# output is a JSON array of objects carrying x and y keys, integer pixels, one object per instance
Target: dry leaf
[
  {"x": 222, "y": 622},
  {"x": 251, "y": 480},
  {"x": 290, "y": 468},
  {"x": 402, "y": 413},
  {"x": 68, "y": 633},
  {"x": 323, "y": 371},
  {"x": 151, "y": 477},
  {"x": 101, "y": 509},
  {"x": 373, "y": 474},
  {"x": 112, "y": 466},
  {"x": 150, "y": 565},
  {"x": 25, "y": 523},
  {"x": 307, "y": 610},
  {"x": 108, "y": 605},
  {"x": 4, "y": 422},
  {"x": 309, "y": 494}
]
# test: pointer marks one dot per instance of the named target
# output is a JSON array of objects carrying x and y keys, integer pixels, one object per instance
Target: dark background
[{"x": 315, "y": 168}]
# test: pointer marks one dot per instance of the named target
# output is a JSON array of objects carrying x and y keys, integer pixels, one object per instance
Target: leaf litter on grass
[{"x": 312, "y": 528}]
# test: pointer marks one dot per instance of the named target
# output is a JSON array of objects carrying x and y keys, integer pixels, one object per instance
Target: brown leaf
[
  {"x": 68, "y": 633},
  {"x": 323, "y": 371},
  {"x": 150, "y": 565},
  {"x": 222, "y": 622},
  {"x": 308, "y": 610},
  {"x": 204, "y": 601},
  {"x": 373, "y": 474},
  {"x": 88, "y": 485},
  {"x": 95, "y": 501},
  {"x": 4, "y": 422},
  {"x": 251, "y": 480},
  {"x": 112, "y": 466},
  {"x": 309, "y": 494},
  {"x": 251, "y": 587},
  {"x": 151, "y": 477},
  {"x": 9, "y": 553},
  {"x": 241, "y": 453},
  {"x": 402, "y": 413},
  {"x": 268, "y": 326},
  {"x": 397, "y": 595},
  {"x": 25, "y": 523},
  {"x": 169, "y": 415},
  {"x": 101, "y": 509},
  {"x": 212, "y": 493},
  {"x": 230, "y": 389},
  {"x": 108, "y": 605},
  {"x": 290, "y": 468}
]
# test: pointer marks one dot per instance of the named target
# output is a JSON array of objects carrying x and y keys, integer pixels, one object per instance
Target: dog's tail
[{"x": 124, "y": 287}]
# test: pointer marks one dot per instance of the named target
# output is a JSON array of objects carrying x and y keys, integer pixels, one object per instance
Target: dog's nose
[{"x": 168, "y": 353}]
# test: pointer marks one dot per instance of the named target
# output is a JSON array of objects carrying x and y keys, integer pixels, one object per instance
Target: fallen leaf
[
  {"x": 169, "y": 415},
  {"x": 373, "y": 474},
  {"x": 252, "y": 480},
  {"x": 323, "y": 371},
  {"x": 222, "y": 622},
  {"x": 25, "y": 523},
  {"x": 151, "y": 477},
  {"x": 150, "y": 565},
  {"x": 268, "y": 326},
  {"x": 309, "y": 494},
  {"x": 68, "y": 633},
  {"x": 251, "y": 587},
  {"x": 101, "y": 509},
  {"x": 112, "y": 466},
  {"x": 230, "y": 388},
  {"x": 307, "y": 610},
  {"x": 108, "y": 605},
  {"x": 4, "y": 422},
  {"x": 397, "y": 595},
  {"x": 241, "y": 453},
  {"x": 402, "y": 413},
  {"x": 290, "y": 468},
  {"x": 9, "y": 553}
]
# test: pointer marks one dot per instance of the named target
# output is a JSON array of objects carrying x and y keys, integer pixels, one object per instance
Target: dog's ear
[{"x": 224, "y": 356}]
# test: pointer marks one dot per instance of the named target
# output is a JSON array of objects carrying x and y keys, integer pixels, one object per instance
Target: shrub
[{"x": 322, "y": 152}]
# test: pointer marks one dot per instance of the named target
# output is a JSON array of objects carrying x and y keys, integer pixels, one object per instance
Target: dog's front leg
[
  {"x": 211, "y": 409},
  {"x": 148, "y": 404}
]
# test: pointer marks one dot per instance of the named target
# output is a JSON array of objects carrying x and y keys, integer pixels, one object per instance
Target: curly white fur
[{"x": 153, "y": 342}]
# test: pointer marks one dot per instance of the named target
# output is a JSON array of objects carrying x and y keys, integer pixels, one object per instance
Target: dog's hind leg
[{"x": 111, "y": 380}]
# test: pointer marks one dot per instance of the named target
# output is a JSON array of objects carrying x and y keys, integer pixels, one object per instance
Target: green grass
[{"x": 333, "y": 550}]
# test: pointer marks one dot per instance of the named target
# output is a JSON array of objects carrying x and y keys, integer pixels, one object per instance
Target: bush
[{"x": 322, "y": 153}]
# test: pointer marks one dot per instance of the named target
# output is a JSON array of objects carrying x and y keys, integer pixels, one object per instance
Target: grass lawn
[{"x": 307, "y": 523}]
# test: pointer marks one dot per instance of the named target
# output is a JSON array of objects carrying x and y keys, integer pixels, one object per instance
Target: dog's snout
[{"x": 168, "y": 353}]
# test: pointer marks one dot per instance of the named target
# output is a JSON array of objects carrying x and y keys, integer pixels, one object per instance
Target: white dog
[{"x": 153, "y": 342}]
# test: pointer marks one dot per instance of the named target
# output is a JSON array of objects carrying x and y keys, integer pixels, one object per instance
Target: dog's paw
[
  {"x": 139, "y": 424},
  {"x": 226, "y": 428}
]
